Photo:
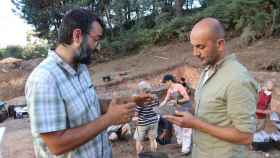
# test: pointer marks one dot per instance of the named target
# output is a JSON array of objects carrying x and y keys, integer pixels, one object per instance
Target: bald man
[{"x": 226, "y": 95}]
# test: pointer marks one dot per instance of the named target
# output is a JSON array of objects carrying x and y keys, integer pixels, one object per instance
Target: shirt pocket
[
  {"x": 93, "y": 100},
  {"x": 74, "y": 104},
  {"x": 213, "y": 107},
  {"x": 77, "y": 111}
]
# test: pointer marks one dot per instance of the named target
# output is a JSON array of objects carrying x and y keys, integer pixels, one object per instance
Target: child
[{"x": 147, "y": 122}]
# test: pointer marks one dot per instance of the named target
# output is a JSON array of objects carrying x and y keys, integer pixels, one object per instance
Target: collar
[
  {"x": 219, "y": 64},
  {"x": 60, "y": 62}
]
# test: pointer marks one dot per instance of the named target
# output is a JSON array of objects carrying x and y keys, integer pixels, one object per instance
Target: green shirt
[{"x": 227, "y": 98}]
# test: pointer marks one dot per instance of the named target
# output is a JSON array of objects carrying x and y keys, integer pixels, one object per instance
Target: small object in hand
[
  {"x": 123, "y": 100},
  {"x": 141, "y": 99},
  {"x": 177, "y": 114}
]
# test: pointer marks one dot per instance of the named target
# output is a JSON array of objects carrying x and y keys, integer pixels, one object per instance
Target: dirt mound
[
  {"x": 273, "y": 65},
  {"x": 261, "y": 56},
  {"x": 13, "y": 76},
  {"x": 150, "y": 61},
  {"x": 151, "y": 64},
  {"x": 10, "y": 60}
]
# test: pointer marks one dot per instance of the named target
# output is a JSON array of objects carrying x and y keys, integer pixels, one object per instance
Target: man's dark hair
[{"x": 76, "y": 19}]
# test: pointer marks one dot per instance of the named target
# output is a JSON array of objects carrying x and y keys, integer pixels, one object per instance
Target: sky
[{"x": 13, "y": 28}]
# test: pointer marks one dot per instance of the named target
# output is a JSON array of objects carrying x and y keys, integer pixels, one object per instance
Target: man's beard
[
  {"x": 212, "y": 59},
  {"x": 83, "y": 56}
]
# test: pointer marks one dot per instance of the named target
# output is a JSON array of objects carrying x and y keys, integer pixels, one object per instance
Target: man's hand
[
  {"x": 120, "y": 113},
  {"x": 61, "y": 142},
  {"x": 142, "y": 98},
  {"x": 182, "y": 119},
  {"x": 230, "y": 134}
]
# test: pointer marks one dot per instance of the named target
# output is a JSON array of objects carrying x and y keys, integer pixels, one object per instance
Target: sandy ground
[{"x": 18, "y": 144}]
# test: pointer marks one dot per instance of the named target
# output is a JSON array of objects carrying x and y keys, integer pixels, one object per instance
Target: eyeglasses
[{"x": 96, "y": 38}]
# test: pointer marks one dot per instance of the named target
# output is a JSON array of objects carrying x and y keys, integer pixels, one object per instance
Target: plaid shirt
[{"x": 58, "y": 98}]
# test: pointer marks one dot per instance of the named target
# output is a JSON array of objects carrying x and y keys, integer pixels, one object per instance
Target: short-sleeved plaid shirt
[{"x": 58, "y": 98}]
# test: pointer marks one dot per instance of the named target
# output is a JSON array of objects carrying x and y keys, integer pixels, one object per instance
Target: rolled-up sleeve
[
  {"x": 46, "y": 107},
  {"x": 241, "y": 104}
]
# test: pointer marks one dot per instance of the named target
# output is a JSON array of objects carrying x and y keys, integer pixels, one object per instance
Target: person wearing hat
[{"x": 178, "y": 96}]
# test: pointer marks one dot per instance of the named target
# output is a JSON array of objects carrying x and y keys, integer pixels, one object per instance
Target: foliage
[
  {"x": 12, "y": 51},
  {"x": 23, "y": 52},
  {"x": 132, "y": 24},
  {"x": 251, "y": 19}
]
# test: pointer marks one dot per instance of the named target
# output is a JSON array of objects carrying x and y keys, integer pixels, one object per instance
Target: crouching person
[
  {"x": 147, "y": 119},
  {"x": 164, "y": 131},
  {"x": 116, "y": 132}
]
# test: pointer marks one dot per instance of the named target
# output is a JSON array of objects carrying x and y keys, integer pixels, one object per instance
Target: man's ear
[
  {"x": 221, "y": 44},
  {"x": 77, "y": 36}
]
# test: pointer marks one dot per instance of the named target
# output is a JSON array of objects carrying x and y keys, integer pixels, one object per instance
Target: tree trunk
[
  {"x": 179, "y": 7},
  {"x": 105, "y": 9},
  {"x": 107, "y": 14},
  {"x": 155, "y": 12}
]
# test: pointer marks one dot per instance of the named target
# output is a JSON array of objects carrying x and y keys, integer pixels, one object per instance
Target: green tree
[
  {"x": 132, "y": 23},
  {"x": 13, "y": 51}
]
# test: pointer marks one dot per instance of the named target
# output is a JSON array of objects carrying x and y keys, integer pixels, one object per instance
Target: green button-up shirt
[{"x": 226, "y": 98}]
